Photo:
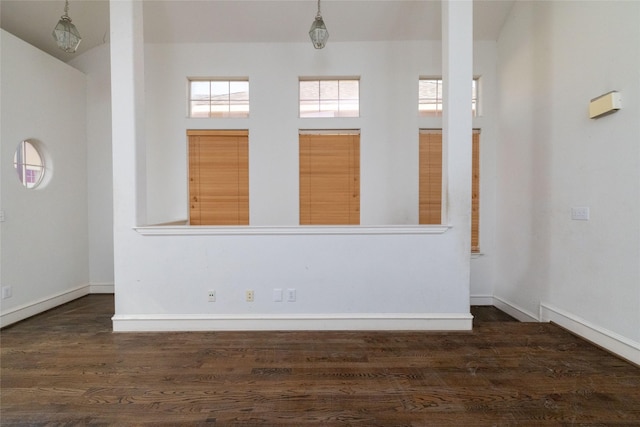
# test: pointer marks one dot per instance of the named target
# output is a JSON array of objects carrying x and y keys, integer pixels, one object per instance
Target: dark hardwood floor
[{"x": 66, "y": 367}]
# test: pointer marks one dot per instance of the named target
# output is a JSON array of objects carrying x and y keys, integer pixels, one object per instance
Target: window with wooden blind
[
  {"x": 218, "y": 177},
  {"x": 430, "y": 186},
  {"x": 329, "y": 178},
  {"x": 475, "y": 192},
  {"x": 430, "y": 199}
]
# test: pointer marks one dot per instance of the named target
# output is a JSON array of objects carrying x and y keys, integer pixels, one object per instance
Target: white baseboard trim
[
  {"x": 615, "y": 343},
  {"x": 514, "y": 311},
  {"x": 31, "y": 309},
  {"x": 295, "y": 322},
  {"x": 101, "y": 288},
  {"x": 481, "y": 300}
]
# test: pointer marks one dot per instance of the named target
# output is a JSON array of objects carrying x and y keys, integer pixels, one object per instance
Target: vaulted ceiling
[{"x": 202, "y": 21}]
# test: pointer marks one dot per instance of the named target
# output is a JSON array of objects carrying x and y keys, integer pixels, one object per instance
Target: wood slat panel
[
  {"x": 194, "y": 179},
  {"x": 329, "y": 179},
  {"x": 475, "y": 193},
  {"x": 430, "y": 185},
  {"x": 219, "y": 178}
]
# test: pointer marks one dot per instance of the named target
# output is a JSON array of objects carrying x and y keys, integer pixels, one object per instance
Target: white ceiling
[{"x": 204, "y": 21}]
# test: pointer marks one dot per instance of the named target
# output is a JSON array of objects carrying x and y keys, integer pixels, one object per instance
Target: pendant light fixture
[
  {"x": 66, "y": 34},
  {"x": 318, "y": 31}
]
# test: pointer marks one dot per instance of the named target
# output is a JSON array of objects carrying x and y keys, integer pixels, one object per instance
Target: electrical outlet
[
  {"x": 291, "y": 295},
  {"x": 212, "y": 296},
  {"x": 7, "y": 292},
  {"x": 248, "y": 295}
]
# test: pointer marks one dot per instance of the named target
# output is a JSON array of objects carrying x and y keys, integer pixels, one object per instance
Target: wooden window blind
[
  {"x": 218, "y": 177},
  {"x": 475, "y": 192},
  {"x": 430, "y": 198},
  {"x": 329, "y": 179},
  {"x": 430, "y": 185}
]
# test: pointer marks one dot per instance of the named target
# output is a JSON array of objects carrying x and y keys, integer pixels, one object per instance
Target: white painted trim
[
  {"x": 615, "y": 343},
  {"x": 31, "y": 309},
  {"x": 101, "y": 288},
  {"x": 514, "y": 311},
  {"x": 482, "y": 300},
  {"x": 197, "y": 230},
  {"x": 294, "y": 322}
]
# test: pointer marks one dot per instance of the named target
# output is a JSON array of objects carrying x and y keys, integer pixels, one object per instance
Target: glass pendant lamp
[
  {"x": 66, "y": 34},
  {"x": 318, "y": 32}
]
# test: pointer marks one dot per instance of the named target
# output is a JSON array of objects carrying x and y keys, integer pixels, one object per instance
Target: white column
[
  {"x": 127, "y": 115},
  {"x": 457, "y": 74},
  {"x": 128, "y": 135}
]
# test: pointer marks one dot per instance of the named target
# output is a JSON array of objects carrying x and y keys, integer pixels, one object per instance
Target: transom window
[
  {"x": 29, "y": 164},
  {"x": 219, "y": 98},
  {"x": 329, "y": 97},
  {"x": 430, "y": 97}
]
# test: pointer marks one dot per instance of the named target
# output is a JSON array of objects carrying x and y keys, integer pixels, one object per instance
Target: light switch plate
[{"x": 580, "y": 213}]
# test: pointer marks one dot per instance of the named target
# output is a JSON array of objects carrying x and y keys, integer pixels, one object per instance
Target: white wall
[
  {"x": 388, "y": 120},
  {"x": 44, "y": 236},
  {"x": 163, "y": 274},
  {"x": 95, "y": 64},
  {"x": 389, "y": 125},
  {"x": 553, "y": 57}
]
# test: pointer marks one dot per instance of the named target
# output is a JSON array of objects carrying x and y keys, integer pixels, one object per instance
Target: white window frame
[
  {"x": 343, "y": 104},
  {"x": 228, "y": 107},
  {"x": 28, "y": 160},
  {"x": 437, "y": 100}
]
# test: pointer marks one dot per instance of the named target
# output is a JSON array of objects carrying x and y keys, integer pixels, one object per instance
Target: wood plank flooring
[{"x": 66, "y": 367}]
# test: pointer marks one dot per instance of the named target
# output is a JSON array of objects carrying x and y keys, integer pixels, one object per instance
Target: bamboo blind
[
  {"x": 218, "y": 177},
  {"x": 329, "y": 179},
  {"x": 475, "y": 193},
  {"x": 430, "y": 186}
]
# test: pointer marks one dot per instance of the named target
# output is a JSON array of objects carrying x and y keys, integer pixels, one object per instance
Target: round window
[{"x": 29, "y": 164}]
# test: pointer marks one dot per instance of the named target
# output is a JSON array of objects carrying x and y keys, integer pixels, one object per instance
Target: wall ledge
[
  {"x": 294, "y": 322},
  {"x": 203, "y": 230}
]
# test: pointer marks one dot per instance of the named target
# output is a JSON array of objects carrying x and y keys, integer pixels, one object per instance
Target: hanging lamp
[
  {"x": 318, "y": 31},
  {"x": 66, "y": 34}
]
